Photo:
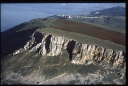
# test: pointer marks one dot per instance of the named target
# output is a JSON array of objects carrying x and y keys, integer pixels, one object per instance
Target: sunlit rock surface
[{"x": 50, "y": 45}]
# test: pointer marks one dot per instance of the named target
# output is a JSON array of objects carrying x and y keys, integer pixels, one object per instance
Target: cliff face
[{"x": 50, "y": 45}]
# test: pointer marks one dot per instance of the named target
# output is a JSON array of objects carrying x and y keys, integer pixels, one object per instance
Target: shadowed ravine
[{"x": 18, "y": 41}]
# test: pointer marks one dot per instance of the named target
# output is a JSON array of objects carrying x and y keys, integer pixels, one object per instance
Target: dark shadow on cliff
[
  {"x": 124, "y": 54},
  {"x": 48, "y": 43},
  {"x": 38, "y": 38},
  {"x": 12, "y": 40},
  {"x": 70, "y": 48}
]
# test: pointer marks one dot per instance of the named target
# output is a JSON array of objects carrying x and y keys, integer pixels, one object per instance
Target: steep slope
[
  {"x": 79, "y": 53},
  {"x": 17, "y": 36},
  {"x": 41, "y": 55}
]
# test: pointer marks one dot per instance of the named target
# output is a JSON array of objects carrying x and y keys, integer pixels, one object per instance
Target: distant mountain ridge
[{"x": 115, "y": 11}]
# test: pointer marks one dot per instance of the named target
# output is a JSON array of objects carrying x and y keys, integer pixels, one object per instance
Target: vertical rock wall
[{"x": 50, "y": 45}]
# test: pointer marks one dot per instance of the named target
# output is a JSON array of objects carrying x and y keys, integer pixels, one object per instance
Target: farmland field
[{"x": 90, "y": 30}]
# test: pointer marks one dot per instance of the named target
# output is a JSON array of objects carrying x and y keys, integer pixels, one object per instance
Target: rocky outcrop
[{"x": 50, "y": 45}]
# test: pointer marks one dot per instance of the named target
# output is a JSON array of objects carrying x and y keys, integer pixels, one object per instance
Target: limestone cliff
[{"x": 50, "y": 45}]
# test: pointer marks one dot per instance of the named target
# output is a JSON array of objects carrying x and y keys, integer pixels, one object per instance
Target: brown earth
[{"x": 87, "y": 29}]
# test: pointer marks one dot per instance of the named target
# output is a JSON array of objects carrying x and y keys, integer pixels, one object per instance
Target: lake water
[{"x": 17, "y": 13}]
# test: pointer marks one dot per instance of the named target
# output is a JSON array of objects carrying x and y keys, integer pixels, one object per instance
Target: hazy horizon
[{"x": 16, "y": 13}]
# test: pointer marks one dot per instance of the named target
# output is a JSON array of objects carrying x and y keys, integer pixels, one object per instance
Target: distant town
[{"x": 80, "y": 16}]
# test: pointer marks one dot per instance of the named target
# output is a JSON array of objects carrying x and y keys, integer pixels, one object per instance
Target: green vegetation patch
[
  {"x": 108, "y": 27},
  {"x": 121, "y": 17},
  {"x": 52, "y": 66},
  {"x": 85, "y": 39},
  {"x": 38, "y": 23}
]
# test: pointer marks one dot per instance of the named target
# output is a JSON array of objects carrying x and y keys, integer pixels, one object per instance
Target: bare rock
[{"x": 50, "y": 45}]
